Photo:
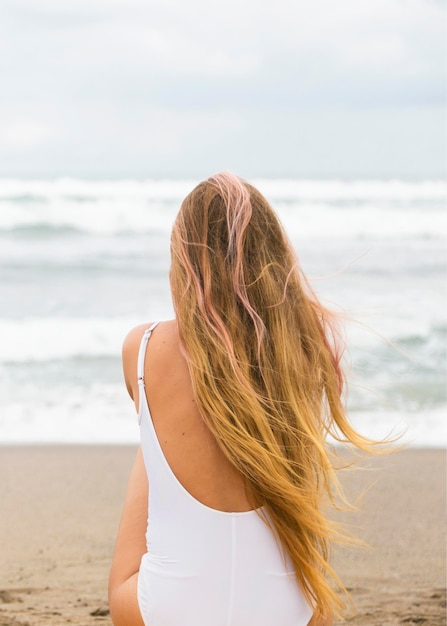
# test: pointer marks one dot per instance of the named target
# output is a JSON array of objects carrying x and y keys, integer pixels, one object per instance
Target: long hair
[{"x": 264, "y": 358}]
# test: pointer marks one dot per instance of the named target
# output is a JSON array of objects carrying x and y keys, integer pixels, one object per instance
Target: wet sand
[{"x": 60, "y": 507}]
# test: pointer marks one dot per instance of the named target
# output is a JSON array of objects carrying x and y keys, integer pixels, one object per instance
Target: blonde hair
[{"x": 264, "y": 358}]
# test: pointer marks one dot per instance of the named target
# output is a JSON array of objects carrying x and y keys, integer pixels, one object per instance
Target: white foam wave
[
  {"x": 416, "y": 429},
  {"x": 176, "y": 189},
  {"x": 106, "y": 415},
  {"x": 45, "y": 339},
  {"x": 102, "y": 216},
  {"x": 77, "y": 187},
  {"x": 102, "y": 414},
  {"x": 309, "y": 208},
  {"x": 48, "y": 338},
  {"x": 320, "y": 221},
  {"x": 282, "y": 189}
]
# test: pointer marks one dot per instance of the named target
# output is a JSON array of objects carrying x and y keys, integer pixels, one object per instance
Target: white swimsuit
[{"x": 205, "y": 567}]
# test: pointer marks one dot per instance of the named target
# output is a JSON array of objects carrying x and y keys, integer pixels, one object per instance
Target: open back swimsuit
[{"x": 205, "y": 567}]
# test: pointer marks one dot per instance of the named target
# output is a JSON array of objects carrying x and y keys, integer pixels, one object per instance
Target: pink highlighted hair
[{"x": 264, "y": 357}]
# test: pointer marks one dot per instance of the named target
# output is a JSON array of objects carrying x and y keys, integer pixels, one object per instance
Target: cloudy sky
[{"x": 305, "y": 88}]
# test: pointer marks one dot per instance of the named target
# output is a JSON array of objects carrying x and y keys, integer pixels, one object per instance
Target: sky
[{"x": 280, "y": 88}]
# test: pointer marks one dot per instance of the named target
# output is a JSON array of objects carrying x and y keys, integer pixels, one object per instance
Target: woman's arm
[{"x": 129, "y": 548}]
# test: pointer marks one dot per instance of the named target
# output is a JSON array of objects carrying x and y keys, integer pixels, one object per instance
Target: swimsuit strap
[{"x": 142, "y": 352}]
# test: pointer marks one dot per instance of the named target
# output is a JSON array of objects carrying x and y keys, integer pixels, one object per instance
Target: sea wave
[
  {"x": 41, "y": 230},
  {"x": 48, "y": 338},
  {"x": 399, "y": 366},
  {"x": 79, "y": 190},
  {"x": 79, "y": 259},
  {"x": 308, "y": 208},
  {"x": 68, "y": 410}
]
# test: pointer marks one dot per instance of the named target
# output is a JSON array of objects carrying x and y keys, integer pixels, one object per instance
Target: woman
[{"x": 222, "y": 523}]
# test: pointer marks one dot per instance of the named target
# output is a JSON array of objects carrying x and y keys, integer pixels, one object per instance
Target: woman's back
[
  {"x": 189, "y": 447},
  {"x": 210, "y": 558}
]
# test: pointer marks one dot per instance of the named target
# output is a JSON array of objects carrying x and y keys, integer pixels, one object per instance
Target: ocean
[{"x": 83, "y": 261}]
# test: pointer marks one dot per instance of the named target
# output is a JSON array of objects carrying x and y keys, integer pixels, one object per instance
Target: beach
[{"x": 61, "y": 506}]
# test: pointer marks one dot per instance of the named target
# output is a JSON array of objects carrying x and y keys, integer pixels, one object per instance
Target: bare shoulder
[
  {"x": 132, "y": 340},
  {"x": 131, "y": 346}
]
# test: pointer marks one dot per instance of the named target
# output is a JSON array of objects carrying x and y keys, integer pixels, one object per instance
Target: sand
[{"x": 60, "y": 507}]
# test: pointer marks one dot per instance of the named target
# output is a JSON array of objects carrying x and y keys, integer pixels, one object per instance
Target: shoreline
[{"x": 61, "y": 505}]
